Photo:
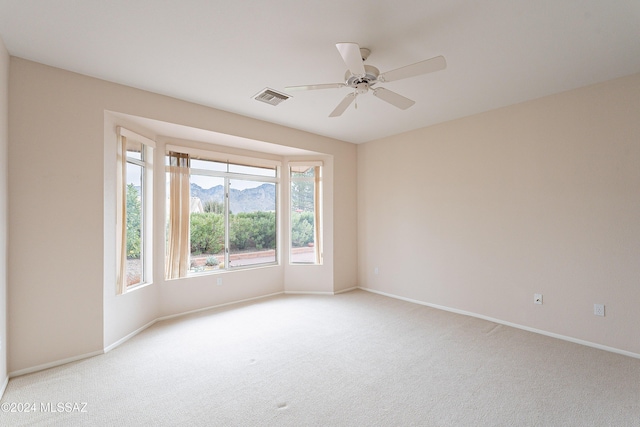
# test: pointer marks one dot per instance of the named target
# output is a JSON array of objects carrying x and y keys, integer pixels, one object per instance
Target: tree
[
  {"x": 301, "y": 228},
  {"x": 213, "y": 206},
  {"x": 302, "y": 197},
  {"x": 134, "y": 217}
]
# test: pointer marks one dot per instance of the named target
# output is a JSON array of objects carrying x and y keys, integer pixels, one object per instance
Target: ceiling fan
[{"x": 362, "y": 77}]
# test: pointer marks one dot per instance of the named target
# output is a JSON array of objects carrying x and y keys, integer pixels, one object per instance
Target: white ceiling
[{"x": 221, "y": 53}]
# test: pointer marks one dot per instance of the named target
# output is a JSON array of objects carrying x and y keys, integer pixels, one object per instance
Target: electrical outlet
[
  {"x": 219, "y": 281},
  {"x": 376, "y": 270},
  {"x": 598, "y": 309},
  {"x": 537, "y": 298}
]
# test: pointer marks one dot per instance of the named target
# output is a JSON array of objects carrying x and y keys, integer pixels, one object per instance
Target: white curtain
[
  {"x": 121, "y": 216},
  {"x": 178, "y": 250}
]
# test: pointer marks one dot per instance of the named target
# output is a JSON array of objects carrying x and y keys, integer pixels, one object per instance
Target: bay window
[{"x": 222, "y": 212}]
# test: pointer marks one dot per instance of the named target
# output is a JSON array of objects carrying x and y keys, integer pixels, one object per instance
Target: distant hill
[{"x": 261, "y": 198}]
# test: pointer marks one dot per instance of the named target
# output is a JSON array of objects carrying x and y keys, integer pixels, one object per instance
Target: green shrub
[
  {"x": 263, "y": 230},
  {"x": 246, "y": 230},
  {"x": 207, "y": 233},
  {"x": 252, "y": 230}
]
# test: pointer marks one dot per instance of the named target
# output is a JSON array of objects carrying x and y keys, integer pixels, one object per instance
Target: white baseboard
[
  {"x": 307, "y": 293},
  {"x": 53, "y": 364},
  {"x": 128, "y": 336},
  {"x": 320, "y": 293},
  {"x": 345, "y": 290},
  {"x": 4, "y": 386},
  {"x": 513, "y": 325},
  {"x": 171, "y": 316}
]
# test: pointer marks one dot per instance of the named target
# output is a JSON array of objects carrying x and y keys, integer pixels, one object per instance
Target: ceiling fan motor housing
[{"x": 370, "y": 77}]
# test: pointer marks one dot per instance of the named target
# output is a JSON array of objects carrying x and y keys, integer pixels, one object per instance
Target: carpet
[{"x": 354, "y": 359}]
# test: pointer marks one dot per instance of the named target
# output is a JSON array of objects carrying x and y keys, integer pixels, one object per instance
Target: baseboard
[
  {"x": 172, "y": 316},
  {"x": 513, "y": 325},
  {"x": 129, "y": 336},
  {"x": 320, "y": 293},
  {"x": 345, "y": 290},
  {"x": 307, "y": 293},
  {"x": 54, "y": 364},
  {"x": 4, "y": 386}
]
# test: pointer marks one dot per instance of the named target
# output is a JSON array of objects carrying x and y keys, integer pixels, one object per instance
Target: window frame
[
  {"x": 146, "y": 201},
  {"x": 231, "y": 160},
  {"x": 318, "y": 209}
]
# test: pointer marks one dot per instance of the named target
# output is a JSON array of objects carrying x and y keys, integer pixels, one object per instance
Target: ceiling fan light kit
[{"x": 361, "y": 78}]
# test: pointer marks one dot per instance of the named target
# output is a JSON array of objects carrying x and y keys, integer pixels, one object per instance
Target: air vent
[{"x": 271, "y": 96}]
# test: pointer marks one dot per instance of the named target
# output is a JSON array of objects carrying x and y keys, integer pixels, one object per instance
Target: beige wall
[
  {"x": 480, "y": 213},
  {"x": 4, "y": 137},
  {"x": 62, "y": 301},
  {"x": 346, "y": 207}
]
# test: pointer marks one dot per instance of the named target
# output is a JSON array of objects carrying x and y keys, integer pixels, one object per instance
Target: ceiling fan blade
[
  {"x": 346, "y": 101},
  {"x": 393, "y": 98},
  {"x": 352, "y": 57},
  {"x": 422, "y": 67},
  {"x": 314, "y": 87}
]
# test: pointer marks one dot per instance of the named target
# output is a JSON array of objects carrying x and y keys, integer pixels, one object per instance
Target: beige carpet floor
[{"x": 355, "y": 359}]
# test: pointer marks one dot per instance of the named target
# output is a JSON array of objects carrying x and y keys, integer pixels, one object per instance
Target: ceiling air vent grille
[{"x": 271, "y": 96}]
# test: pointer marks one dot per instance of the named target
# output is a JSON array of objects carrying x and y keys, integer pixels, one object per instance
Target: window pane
[
  {"x": 252, "y": 222},
  {"x": 206, "y": 223},
  {"x": 303, "y": 215},
  {"x": 302, "y": 171},
  {"x": 134, "y": 149},
  {"x": 252, "y": 170},
  {"x": 134, "y": 215},
  {"x": 209, "y": 165}
]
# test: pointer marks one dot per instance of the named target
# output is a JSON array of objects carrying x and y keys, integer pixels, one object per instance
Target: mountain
[{"x": 262, "y": 198}]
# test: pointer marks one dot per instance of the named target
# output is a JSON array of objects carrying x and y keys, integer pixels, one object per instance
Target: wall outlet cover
[{"x": 598, "y": 309}]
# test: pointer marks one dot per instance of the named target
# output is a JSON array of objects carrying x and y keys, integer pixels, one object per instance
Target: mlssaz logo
[{"x": 64, "y": 407}]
